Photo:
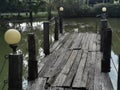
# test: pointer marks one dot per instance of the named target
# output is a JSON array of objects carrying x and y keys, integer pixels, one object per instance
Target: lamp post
[
  {"x": 61, "y": 9},
  {"x": 13, "y": 37},
  {"x": 30, "y": 13},
  {"x": 103, "y": 27}
]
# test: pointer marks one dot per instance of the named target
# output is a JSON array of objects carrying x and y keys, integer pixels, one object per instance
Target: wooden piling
[
  {"x": 32, "y": 62},
  {"x": 107, "y": 51},
  {"x": 15, "y": 72},
  {"x": 56, "y": 33},
  {"x": 103, "y": 32},
  {"x": 46, "y": 38},
  {"x": 61, "y": 23}
]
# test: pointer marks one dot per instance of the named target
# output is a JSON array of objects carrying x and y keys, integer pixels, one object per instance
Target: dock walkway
[{"x": 74, "y": 64}]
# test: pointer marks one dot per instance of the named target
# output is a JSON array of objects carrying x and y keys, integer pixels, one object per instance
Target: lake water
[{"x": 70, "y": 25}]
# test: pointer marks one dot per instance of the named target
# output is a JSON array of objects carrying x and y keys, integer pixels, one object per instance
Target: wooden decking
[{"x": 74, "y": 64}]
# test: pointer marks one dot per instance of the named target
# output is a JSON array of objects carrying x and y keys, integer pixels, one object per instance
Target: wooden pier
[{"x": 73, "y": 64}]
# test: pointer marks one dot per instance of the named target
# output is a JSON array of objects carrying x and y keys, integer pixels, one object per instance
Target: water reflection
[{"x": 82, "y": 24}]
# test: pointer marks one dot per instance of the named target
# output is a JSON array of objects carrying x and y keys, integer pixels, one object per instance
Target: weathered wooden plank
[
  {"x": 84, "y": 40},
  {"x": 51, "y": 59},
  {"x": 38, "y": 85},
  {"x": 56, "y": 88},
  {"x": 55, "y": 71},
  {"x": 78, "y": 76},
  {"x": 68, "y": 69},
  {"x": 90, "y": 82},
  {"x": 59, "y": 42},
  {"x": 72, "y": 89},
  {"x": 86, "y": 44},
  {"x": 83, "y": 82},
  {"x": 92, "y": 46},
  {"x": 98, "y": 42},
  {"x": 57, "y": 67},
  {"x": 97, "y": 78},
  {"x": 62, "y": 76},
  {"x": 71, "y": 74},
  {"x": 58, "y": 64},
  {"x": 106, "y": 82},
  {"x": 77, "y": 41},
  {"x": 70, "y": 38}
]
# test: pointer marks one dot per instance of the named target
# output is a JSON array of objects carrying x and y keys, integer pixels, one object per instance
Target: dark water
[{"x": 70, "y": 25}]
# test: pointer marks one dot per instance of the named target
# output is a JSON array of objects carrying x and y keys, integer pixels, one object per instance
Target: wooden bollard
[
  {"x": 46, "y": 38},
  {"x": 32, "y": 62},
  {"x": 61, "y": 24},
  {"x": 118, "y": 82},
  {"x": 15, "y": 71},
  {"x": 56, "y": 33},
  {"x": 107, "y": 52},
  {"x": 103, "y": 32}
]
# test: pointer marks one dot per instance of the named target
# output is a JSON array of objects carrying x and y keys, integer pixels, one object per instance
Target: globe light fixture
[
  {"x": 61, "y": 9},
  {"x": 12, "y": 37},
  {"x": 104, "y": 9}
]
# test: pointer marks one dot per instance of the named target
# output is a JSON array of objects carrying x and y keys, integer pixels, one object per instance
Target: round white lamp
[
  {"x": 12, "y": 37},
  {"x": 61, "y": 9},
  {"x": 104, "y": 9}
]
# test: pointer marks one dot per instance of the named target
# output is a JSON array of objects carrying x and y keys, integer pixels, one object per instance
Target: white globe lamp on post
[
  {"x": 12, "y": 37},
  {"x": 61, "y": 9},
  {"x": 104, "y": 9}
]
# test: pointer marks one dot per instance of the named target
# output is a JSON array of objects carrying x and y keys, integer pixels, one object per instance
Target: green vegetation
[
  {"x": 72, "y": 8},
  {"x": 88, "y": 11}
]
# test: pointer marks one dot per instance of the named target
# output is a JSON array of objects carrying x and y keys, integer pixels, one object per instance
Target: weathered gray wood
[
  {"x": 92, "y": 46},
  {"x": 62, "y": 76},
  {"x": 74, "y": 69},
  {"x": 72, "y": 89},
  {"x": 56, "y": 70},
  {"x": 59, "y": 66},
  {"x": 84, "y": 79},
  {"x": 51, "y": 60},
  {"x": 77, "y": 41},
  {"x": 78, "y": 77},
  {"x": 60, "y": 42},
  {"x": 56, "y": 88},
  {"x": 84, "y": 40},
  {"x": 38, "y": 84},
  {"x": 106, "y": 82},
  {"x": 45, "y": 60},
  {"x": 97, "y": 78},
  {"x": 60, "y": 59},
  {"x": 90, "y": 82},
  {"x": 86, "y": 44},
  {"x": 71, "y": 74}
]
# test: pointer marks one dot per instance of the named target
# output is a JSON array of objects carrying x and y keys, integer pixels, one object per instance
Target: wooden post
[
  {"x": 46, "y": 38},
  {"x": 32, "y": 63},
  {"x": 118, "y": 82},
  {"x": 56, "y": 35},
  {"x": 103, "y": 32},
  {"x": 107, "y": 51},
  {"x": 15, "y": 72},
  {"x": 60, "y": 23},
  {"x": 30, "y": 13}
]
